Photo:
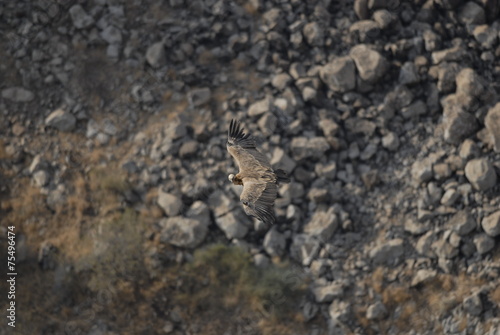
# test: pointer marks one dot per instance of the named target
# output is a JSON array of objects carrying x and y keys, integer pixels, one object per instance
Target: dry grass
[
  {"x": 495, "y": 296},
  {"x": 107, "y": 186},
  {"x": 27, "y": 205},
  {"x": 421, "y": 308}
]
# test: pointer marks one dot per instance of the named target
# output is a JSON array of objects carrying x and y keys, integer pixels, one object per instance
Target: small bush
[{"x": 116, "y": 254}]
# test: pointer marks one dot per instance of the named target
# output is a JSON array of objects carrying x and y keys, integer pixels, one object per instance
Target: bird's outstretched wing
[
  {"x": 236, "y": 136},
  {"x": 242, "y": 147},
  {"x": 258, "y": 200}
]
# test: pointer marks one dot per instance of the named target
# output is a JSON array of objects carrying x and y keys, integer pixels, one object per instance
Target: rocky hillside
[{"x": 113, "y": 167}]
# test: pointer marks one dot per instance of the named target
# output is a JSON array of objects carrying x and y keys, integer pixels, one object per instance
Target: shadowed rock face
[{"x": 113, "y": 161}]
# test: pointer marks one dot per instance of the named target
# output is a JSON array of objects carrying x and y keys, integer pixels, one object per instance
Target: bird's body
[{"x": 256, "y": 175}]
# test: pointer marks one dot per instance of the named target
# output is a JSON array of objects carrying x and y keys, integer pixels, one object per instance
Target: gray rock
[
  {"x": 339, "y": 75},
  {"x": 199, "y": 96},
  {"x": 281, "y": 81},
  {"x": 57, "y": 198},
  {"x": 390, "y": 141},
  {"x": 273, "y": 17},
  {"x": 365, "y": 30},
  {"x": 220, "y": 203},
  {"x": 480, "y": 174},
  {"x": 261, "y": 261},
  {"x": 414, "y": 227},
  {"x": 327, "y": 171},
  {"x": 323, "y": 224},
  {"x": 303, "y": 147},
  {"x": 293, "y": 191},
  {"x": 447, "y": 246},
  {"x": 446, "y": 77},
  {"x": 432, "y": 41},
  {"x": 454, "y": 54},
  {"x": 469, "y": 150},
  {"x": 389, "y": 253},
  {"x": 398, "y": 98},
  {"x": 329, "y": 127},
  {"x": 462, "y": 222},
  {"x": 384, "y": 18},
  {"x": 486, "y": 35},
  {"x": 41, "y": 178},
  {"x": 314, "y": 34},
  {"x": 491, "y": 224},
  {"x": 483, "y": 243},
  {"x": 170, "y": 204},
  {"x": 183, "y": 232},
  {"x": 168, "y": 327},
  {"x": 441, "y": 171},
  {"x": 340, "y": 311},
  {"x": 369, "y": 151},
  {"x": 268, "y": 123},
  {"x": 376, "y": 311},
  {"x": 109, "y": 127},
  {"x": 81, "y": 19},
  {"x": 448, "y": 4},
  {"x": 260, "y": 107},
  {"x": 17, "y": 94},
  {"x": 102, "y": 138},
  {"x": 318, "y": 195},
  {"x": 371, "y": 65},
  {"x": 155, "y": 55},
  {"x": 421, "y": 171},
  {"x": 130, "y": 167},
  {"x": 361, "y": 126},
  {"x": 423, "y": 276},
  {"x": 274, "y": 243},
  {"x": 450, "y": 196},
  {"x": 309, "y": 311},
  {"x": 472, "y": 14},
  {"x": 38, "y": 163},
  {"x": 327, "y": 293},
  {"x": 473, "y": 305},
  {"x": 175, "y": 130},
  {"x": 469, "y": 83},
  {"x": 415, "y": 109},
  {"x": 304, "y": 248},
  {"x": 112, "y": 35},
  {"x": 61, "y": 120},
  {"x": 309, "y": 93},
  {"x": 458, "y": 124},
  {"x": 297, "y": 70},
  {"x": 188, "y": 149},
  {"x": 280, "y": 160},
  {"x": 113, "y": 51},
  {"x": 361, "y": 9},
  {"x": 408, "y": 74},
  {"x": 234, "y": 224},
  {"x": 492, "y": 124}
]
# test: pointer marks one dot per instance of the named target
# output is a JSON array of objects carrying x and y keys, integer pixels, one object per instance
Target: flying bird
[{"x": 258, "y": 178}]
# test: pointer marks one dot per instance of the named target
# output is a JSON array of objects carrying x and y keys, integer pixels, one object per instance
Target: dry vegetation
[
  {"x": 101, "y": 268},
  {"x": 418, "y": 307}
]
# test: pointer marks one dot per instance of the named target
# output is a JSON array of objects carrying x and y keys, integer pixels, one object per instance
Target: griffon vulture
[{"x": 258, "y": 178}]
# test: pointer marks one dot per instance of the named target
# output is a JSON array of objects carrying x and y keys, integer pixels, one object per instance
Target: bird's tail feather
[{"x": 282, "y": 176}]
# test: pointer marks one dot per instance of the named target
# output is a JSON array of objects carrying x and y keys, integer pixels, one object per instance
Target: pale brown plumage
[{"x": 258, "y": 178}]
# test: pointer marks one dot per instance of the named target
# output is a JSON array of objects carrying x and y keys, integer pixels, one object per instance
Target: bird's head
[{"x": 230, "y": 177}]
